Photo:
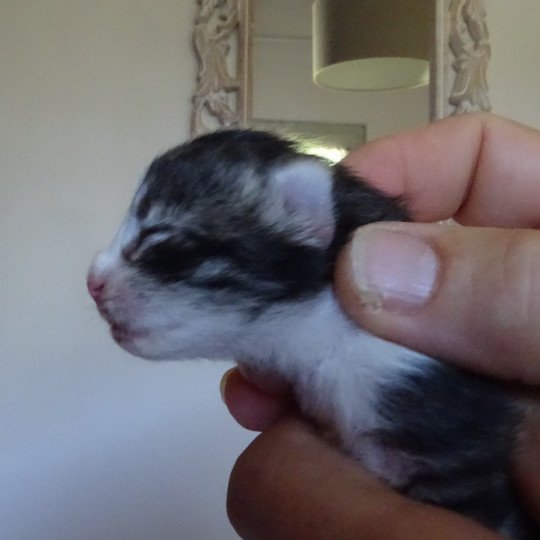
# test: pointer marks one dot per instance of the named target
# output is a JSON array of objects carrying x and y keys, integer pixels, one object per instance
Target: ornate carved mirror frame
[{"x": 222, "y": 43}]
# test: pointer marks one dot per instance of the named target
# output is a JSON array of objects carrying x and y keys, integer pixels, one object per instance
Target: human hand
[{"x": 477, "y": 304}]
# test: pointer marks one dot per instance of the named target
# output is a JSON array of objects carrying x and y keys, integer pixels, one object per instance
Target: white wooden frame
[
  {"x": 222, "y": 43},
  {"x": 461, "y": 55},
  {"x": 221, "y": 40}
]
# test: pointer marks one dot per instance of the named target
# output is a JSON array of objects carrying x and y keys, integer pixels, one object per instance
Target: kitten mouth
[{"x": 122, "y": 333}]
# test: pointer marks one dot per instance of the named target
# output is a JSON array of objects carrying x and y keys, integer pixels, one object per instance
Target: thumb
[{"x": 467, "y": 295}]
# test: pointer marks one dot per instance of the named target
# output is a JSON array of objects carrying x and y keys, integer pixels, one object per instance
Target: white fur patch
[
  {"x": 110, "y": 259},
  {"x": 335, "y": 367}
]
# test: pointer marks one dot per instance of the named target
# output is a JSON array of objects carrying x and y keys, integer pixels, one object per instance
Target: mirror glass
[{"x": 286, "y": 98}]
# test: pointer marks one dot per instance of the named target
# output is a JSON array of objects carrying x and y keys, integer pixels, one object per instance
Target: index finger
[{"x": 480, "y": 169}]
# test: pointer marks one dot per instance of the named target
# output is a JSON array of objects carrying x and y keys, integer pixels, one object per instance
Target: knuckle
[
  {"x": 520, "y": 276},
  {"x": 515, "y": 294},
  {"x": 250, "y": 488},
  {"x": 239, "y": 492}
]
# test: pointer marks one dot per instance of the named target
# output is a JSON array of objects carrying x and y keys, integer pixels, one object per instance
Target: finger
[
  {"x": 480, "y": 169},
  {"x": 251, "y": 407},
  {"x": 467, "y": 295},
  {"x": 289, "y": 484}
]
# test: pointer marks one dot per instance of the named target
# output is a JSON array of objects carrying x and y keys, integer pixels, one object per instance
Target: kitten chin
[{"x": 228, "y": 250}]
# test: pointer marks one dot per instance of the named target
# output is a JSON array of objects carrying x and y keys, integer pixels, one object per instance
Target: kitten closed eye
[
  {"x": 145, "y": 239},
  {"x": 168, "y": 257}
]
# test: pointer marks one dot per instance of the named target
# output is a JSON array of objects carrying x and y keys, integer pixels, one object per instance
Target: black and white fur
[{"x": 228, "y": 251}]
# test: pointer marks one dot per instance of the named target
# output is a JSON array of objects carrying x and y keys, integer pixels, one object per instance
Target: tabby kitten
[{"x": 228, "y": 251}]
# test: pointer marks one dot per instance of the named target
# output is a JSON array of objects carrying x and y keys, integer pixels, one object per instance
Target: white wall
[
  {"x": 513, "y": 73},
  {"x": 94, "y": 444}
]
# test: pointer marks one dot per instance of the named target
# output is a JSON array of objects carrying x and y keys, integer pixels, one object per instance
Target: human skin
[{"x": 477, "y": 306}]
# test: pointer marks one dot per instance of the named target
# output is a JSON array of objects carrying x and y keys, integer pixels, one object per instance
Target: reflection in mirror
[
  {"x": 329, "y": 140},
  {"x": 362, "y": 45},
  {"x": 283, "y": 87}
]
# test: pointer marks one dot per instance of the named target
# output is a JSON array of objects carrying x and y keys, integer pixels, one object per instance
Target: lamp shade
[{"x": 372, "y": 44}]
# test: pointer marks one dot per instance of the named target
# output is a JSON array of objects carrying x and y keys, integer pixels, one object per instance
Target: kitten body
[{"x": 228, "y": 251}]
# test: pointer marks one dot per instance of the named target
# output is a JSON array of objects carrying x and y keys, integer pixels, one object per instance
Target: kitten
[{"x": 228, "y": 251}]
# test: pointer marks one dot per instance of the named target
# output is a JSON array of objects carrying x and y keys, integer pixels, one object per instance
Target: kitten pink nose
[{"x": 95, "y": 287}]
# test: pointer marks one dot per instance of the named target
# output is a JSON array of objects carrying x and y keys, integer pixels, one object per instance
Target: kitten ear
[{"x": 303, "y": 193}]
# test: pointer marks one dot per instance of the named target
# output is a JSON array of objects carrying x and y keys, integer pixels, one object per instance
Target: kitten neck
[
  {"x": 292, "y": 337},
  {"x": 320, "y": 353}
]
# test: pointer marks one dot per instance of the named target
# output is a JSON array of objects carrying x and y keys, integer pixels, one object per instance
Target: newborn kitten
[{"x": 228, "y": 251}]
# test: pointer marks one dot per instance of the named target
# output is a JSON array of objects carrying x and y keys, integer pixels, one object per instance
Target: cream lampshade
[{"x": 372, "y": 44}]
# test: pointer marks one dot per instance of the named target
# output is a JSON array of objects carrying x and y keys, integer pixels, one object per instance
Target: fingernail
[
  {"x": 393, "y": 270},
  {"x": 223, "y": 383}
]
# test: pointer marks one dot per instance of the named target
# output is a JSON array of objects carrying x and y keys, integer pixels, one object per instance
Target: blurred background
[{"x": 95, "y": 444}]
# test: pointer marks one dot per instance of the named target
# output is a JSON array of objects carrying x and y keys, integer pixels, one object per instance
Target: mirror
[
  {"x": 255, "y": 69},
  {"x": 283, "y": 87}
]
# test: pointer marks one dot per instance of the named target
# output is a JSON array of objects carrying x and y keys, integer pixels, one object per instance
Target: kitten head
[{"x": 220, "y": 229}]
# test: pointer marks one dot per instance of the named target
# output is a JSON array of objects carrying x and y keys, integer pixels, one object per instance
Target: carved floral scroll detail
[
  {"x": 469, "y": 43},
  {"x": 216, "y": 102}
]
